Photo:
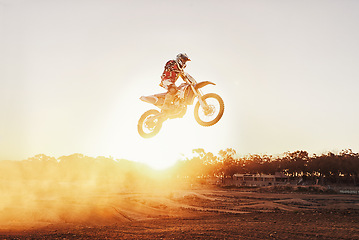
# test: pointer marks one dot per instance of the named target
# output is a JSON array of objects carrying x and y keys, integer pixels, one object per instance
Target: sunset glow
[{"x": 72, "y": 84}]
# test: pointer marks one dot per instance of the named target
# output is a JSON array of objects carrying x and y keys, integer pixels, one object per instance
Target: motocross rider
[{"x": 173, "y": 69}]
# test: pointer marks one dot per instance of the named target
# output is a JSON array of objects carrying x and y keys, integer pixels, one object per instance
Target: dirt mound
[{"x": 192, "y": 214}]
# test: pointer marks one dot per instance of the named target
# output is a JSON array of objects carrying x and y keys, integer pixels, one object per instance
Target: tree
[{"x": 228, "y": 164}]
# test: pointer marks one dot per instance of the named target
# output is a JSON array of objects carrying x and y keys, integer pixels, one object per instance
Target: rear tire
[
  {"x": 146, "y": 128},
  {"x": 215, "y": 112}
]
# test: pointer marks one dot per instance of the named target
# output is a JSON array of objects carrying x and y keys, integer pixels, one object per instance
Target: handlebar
[{"x": 188, "y": 78}]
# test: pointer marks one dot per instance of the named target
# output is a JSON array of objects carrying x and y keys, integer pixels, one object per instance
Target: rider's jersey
[{"x": 171, "y": 73}]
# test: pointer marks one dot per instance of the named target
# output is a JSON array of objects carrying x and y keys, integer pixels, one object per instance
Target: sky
[{"x": 72, "y": 72}]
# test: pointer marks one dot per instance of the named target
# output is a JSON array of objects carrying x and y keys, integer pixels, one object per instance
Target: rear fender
[
  {"x": 202, "y": 84},
  {"x": 156, "y": 99},
  {"x": 149, "y": 99}
]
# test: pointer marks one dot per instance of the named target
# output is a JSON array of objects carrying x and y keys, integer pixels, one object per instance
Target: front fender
[{"x": 202, "y": 84}]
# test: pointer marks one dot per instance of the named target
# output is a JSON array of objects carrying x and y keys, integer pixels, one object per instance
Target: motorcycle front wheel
[
  {"x": 211, "y": 112},
  {"x": 148, "y": 126}
]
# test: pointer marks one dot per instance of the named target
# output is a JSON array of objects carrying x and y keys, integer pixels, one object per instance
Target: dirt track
[{"x": 194, "y": 213}]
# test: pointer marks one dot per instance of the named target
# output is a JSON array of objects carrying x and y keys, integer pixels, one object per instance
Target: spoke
[
  {"x": 211, "y": 111},
  {"x": 149, "y": 124}
]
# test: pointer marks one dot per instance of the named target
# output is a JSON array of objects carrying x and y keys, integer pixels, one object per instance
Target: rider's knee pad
[{"x": 172, "y": 91}]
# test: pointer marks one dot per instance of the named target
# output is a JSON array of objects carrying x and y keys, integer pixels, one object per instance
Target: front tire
[
  {"x": 212, "y": 113},
  {"x": 148, "y": 128}
]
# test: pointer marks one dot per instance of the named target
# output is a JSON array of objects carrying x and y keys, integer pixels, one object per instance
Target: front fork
[
  {"x": 190, "y": 80},
  {"x": 203, "y": 104}
]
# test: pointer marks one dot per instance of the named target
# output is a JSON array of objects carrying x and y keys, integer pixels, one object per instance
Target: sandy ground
[{"x": 196, "y": 213}]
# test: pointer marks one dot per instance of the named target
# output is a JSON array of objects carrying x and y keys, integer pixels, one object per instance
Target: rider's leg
[{"x": 169, "y": 98}]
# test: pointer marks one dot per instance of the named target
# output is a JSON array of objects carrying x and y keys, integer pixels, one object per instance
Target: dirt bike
[{"x": 207, "y": 111}]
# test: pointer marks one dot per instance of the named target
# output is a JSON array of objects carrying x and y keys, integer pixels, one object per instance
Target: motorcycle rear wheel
[
  {"x": 148, "y": 128},
  {"x": 214, "y": 112}
]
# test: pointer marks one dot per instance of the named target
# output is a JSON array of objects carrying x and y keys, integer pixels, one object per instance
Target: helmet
[{"x": 181, "y": 59}]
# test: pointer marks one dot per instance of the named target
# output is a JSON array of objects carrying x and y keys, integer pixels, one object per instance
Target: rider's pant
[{"x": 171, "y": 92}]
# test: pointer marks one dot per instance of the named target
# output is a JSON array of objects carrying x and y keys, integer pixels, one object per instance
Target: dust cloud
[{"x": 74, "y": 189}]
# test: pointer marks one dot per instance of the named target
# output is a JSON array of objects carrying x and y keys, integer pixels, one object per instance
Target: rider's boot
[{"x": 167, "y": 104}]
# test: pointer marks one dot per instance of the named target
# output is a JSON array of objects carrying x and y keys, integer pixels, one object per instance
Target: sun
[
  {"x": 174, "y": 142},
  {"x": 160, "y": 152}
]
